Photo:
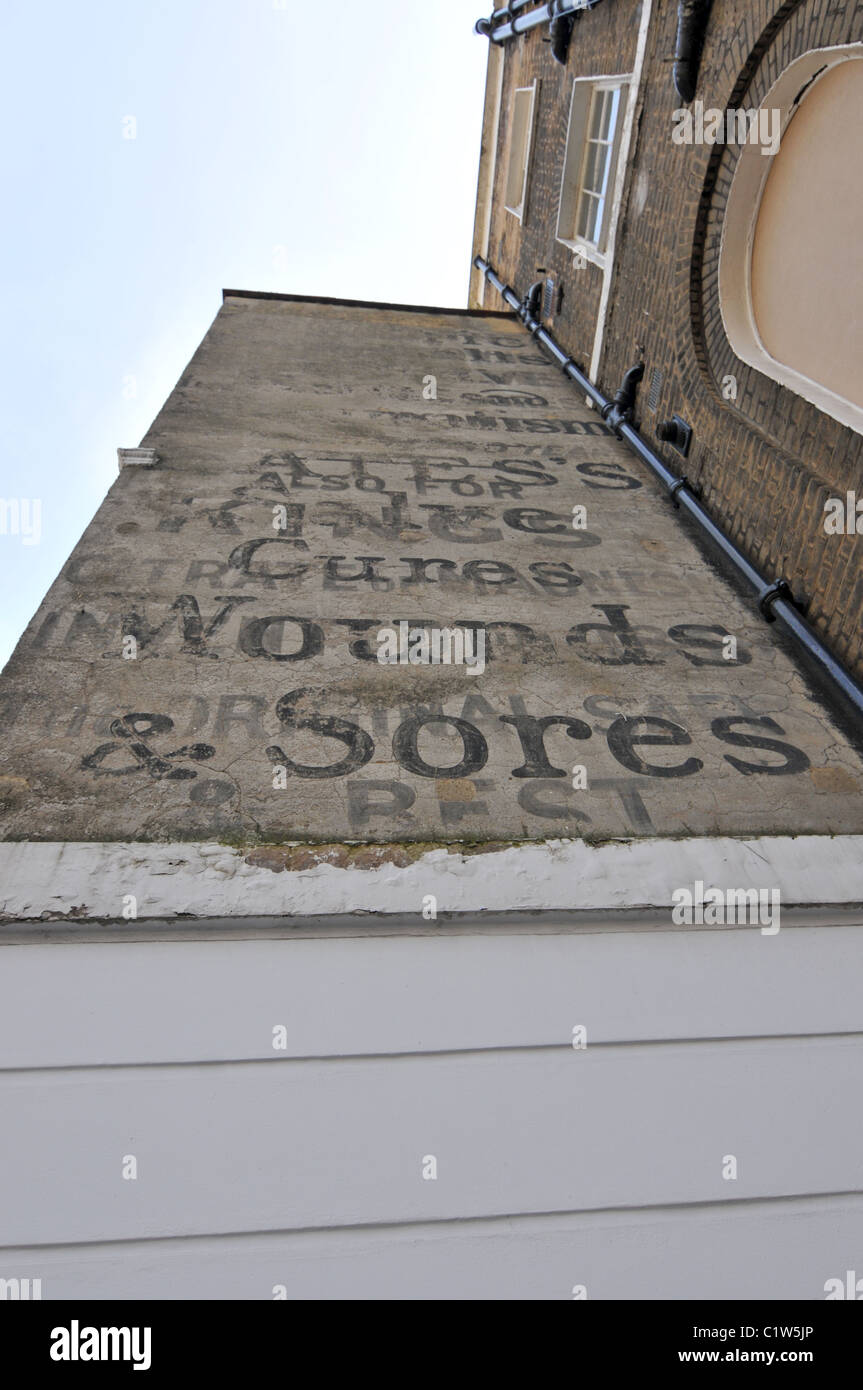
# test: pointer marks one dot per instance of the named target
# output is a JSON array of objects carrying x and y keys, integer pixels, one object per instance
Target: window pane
[
  {"x": 594, "y": 161},
  {"x": 597, "y": 114},
  {"x": 609, "y": 113},
  {"x": 587, "y": 217},
  {"x": 599, "y": 215},
  {"x": 603, "y": 173}
]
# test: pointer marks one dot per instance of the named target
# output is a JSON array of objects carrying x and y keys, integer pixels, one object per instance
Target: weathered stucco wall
[
  {"x": 355, "y": 1039},
  {"x": 256, "y": 647}
]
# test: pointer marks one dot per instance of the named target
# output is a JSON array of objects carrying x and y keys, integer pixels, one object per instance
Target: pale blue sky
[{"x": 324, "y": 148}]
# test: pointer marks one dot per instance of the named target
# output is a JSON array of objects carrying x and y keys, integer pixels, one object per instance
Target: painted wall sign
[{"x": 207, "y": 663}]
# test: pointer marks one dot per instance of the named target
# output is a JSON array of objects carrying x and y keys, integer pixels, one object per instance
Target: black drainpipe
[
  {"x": 775, "y": 600},
  {"x": 560, "y": 30},
  {"x": 692, "y": 17}
]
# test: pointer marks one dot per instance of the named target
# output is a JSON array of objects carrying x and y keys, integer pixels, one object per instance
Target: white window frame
[
  {"x": 522, "y": 126},
  {"x": 577, "y": 147},
  {"x": 738, "y": 237}
]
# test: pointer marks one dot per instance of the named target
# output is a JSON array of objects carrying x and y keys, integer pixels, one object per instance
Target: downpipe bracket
[
  {"x": 682, "y": 482},
  {"x": 779, "y": 589}
]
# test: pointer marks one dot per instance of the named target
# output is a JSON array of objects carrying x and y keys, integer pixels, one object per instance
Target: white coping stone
[
  {"x": 90, "y": 880},
  {"x": 139, "y": 458}
]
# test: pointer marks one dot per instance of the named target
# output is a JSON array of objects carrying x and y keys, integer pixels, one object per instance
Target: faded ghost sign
[{"x": 207, "y": 665}]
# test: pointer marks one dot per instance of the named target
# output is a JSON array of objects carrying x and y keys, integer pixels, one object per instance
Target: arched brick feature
[{"x": 794, "y": 30}]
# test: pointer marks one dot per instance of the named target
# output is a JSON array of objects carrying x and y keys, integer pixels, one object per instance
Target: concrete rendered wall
[{"x": 255, "y": 648}]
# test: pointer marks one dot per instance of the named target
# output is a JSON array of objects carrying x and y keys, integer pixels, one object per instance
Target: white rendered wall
[{"x": 556, "y": 1166}]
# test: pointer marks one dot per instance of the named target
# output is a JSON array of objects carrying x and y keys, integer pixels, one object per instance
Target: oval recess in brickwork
[{"x": 795, "y": 31}]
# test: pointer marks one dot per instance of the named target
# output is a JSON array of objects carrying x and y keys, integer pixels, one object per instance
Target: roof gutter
[
  {"x": 500, "y": 16},
  {"x": 774, "y": 598},
  {"x": 505, "y": 23}
]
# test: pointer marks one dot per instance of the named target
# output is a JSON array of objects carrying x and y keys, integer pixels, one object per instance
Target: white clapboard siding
[
  {"x": 88, "y": 1004},
  {"x": 261, "y": 1146},
  {"x": 758, "y": 1250}
]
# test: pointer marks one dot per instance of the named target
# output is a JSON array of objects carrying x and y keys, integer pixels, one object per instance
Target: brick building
[
  {"x": 420, "y": 916},
  {"x": 322, "y": 976},
  {"x": 721, "y": 256}
]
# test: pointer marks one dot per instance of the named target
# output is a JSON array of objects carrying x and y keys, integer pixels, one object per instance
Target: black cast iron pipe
[
  {"x": 692, "y": 17},
  {"x": 560, "y": 30},
  {"x": 775, "y": 601}
]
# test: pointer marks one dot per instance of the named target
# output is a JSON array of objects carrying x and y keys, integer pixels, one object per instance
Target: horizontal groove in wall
[
  {"x": 546, "y": 922},
  {"x": 462, "y": 1223},
  {"x": 194, "y": 1063}
]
